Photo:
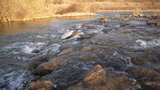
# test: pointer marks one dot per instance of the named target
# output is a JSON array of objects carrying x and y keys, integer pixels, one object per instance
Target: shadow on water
[
  {"x": 9, "y": 28},
  {"x": 15, "y": 27}
]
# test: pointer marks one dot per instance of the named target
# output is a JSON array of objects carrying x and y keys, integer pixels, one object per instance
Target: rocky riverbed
[{"x": 118, "y": 52}]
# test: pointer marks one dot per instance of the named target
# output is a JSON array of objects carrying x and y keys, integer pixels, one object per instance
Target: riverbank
[{"x": 24, "y": 10}]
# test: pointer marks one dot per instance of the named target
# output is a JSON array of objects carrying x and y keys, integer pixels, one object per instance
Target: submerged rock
[
  {"x": 37, "y": 61},
  {"x": 151, "y": 85},
  {"x": 49, "y": 66},
  {"x": 52, "y": 49},
  {"x": 142, "y": 72},
  {"x": 147, "y": 77},
  {"x": 41, "y": 85},
  {"x": 96, "y": 76},
  {"x": 99, "y": 78}
]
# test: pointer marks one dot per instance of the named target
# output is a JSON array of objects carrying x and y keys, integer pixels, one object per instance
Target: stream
[{"x": 20, "y": 42}]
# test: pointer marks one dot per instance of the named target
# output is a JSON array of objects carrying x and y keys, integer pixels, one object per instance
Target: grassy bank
[{"x": 22, "y": 10}]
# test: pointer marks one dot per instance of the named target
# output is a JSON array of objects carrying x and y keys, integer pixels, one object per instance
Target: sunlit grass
[{"x": 31, "y": 9}]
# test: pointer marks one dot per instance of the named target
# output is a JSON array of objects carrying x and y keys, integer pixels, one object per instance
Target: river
[{"x": 22, "y": 41}]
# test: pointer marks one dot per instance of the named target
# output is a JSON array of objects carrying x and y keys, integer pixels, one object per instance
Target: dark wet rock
[
  {"x": 3, "y": 84},
  {"x": 139, "y": 61},
  {"x": 147, "y": 77},
  {"x": 96, "y": 76},
  {"x": 49, "y": 66},
  {"x": 143, "y": 73},
  {"x": 88, "y": 57},
  {"x": 102, "y": 20},
  {"x": 69, "y": 74},
  {"x": 66, "y": 51},
  {"x": 36, "y": 51},
  {"x": 107, "y": 29},
  {"x": 151, "y": 85},
  {"x": 41, "y": 85},
  {"x": 87, "y": 48},
  {"x": 37, "y": 61},
  {"x": 145, "y": 57},
  {"x": 154, "y": 22},
  {"x": 88, "y": 26},
  {"x": 100, "y": 79}
]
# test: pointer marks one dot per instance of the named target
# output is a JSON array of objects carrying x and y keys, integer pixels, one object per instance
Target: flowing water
[
  {"x": 19, "y": 42},
  {"x": 22, "y": 41}
]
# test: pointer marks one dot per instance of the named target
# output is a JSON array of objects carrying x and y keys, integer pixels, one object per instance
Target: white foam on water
[
  {"x": 24, "y": 47},
  {"x": 147, "y": 44},
  {"x": 52, "y": 49},
  {"x": 31, "y": 47},
  {"x": 134, "y": 22},
  {"x": 141, "y": 43},
  {"x": 28, "y": 49},
  {"x": 55, "y": 48},
  {"x": 40, "y": 36}
]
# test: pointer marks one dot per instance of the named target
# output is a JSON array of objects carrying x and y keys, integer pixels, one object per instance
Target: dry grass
[{"x": 15, "y": 10}]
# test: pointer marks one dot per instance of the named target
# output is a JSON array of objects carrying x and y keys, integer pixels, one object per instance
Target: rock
[
  {"x": 142, "y": 72},
  {"x": 154, "y": 22},
  {"x": 52, "y": 49},
  {"x": 96, "y": 76},
  {"x": 139, "y": 61},
  {"x": 3, "y": 84},
  {"x": 158, "y": 23},
  {"x": 87, "y": 48},
  {"x": 37, "y": 61},
  {"x": 91, "y": 59},
  {"x": 41, "y": 85},
  {"x": 100, "y": 79},
  {"x": 147, "y": 77},
  {"x": 88, "y": 26},
  {"x": 66, "y": 51},
  {"x": 152, "y": 85},
  {"x": 49, "y": 66},
  {"x": 69, "y": 74},
  {"x": 137, "y": 12},
  {"x": 35, "y": 51},
  {"x": 72, "y": 35},
  {"x": 102, "y": 20},
  {"x": 67, "y": 35},
  {"x": 78, "y": 35}
]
